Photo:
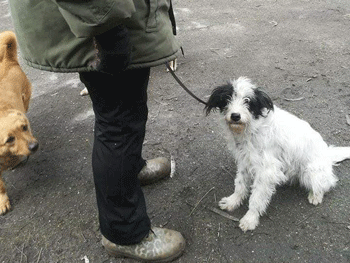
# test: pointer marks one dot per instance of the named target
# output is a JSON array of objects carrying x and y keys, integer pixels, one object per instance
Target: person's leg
[{"x": 120, "y": 106}]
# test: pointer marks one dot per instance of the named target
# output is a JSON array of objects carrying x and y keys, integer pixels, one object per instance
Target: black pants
[{"x": 120, "y": 106}]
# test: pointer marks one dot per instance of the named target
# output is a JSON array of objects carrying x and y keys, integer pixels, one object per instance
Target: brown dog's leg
[
  {"x": 4, "y": 199},
  {"x": 26, "y": 93}
]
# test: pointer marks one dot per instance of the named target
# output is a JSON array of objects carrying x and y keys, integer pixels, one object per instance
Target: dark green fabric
[
  {"x": 94, "y": 17},
  {"x": 58, "y": 35}
]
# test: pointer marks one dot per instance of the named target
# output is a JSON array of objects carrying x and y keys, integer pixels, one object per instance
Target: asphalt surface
[{"x": 297, "y": 50}]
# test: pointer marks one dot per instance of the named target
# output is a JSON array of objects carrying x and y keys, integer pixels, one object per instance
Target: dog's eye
[
  {"x": 10, "y": 139},
  {"x": 246, "y": 100},
  {"x": 25, "y": 127}
]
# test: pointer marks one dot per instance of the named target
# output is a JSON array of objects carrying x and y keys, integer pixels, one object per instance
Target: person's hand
[{"x": 114, "y": 50}]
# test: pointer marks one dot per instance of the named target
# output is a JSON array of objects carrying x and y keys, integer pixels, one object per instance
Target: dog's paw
[
  {"x": 4, "y": 204},
  {"x": 315, "y": 199},
  {"x": 229, "y": 203},
  {"x": 249, "y": 222}
]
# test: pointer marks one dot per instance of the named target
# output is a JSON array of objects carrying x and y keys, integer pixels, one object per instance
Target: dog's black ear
[
  {"x": 259, "y": 102},
  {"x": 219, "y": 98}
]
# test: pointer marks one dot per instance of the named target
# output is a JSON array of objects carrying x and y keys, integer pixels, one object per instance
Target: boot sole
[{"x": 126, "y": 255}]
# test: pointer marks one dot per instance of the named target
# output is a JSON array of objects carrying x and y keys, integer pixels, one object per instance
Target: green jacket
[{"x": 58, "y": 35}]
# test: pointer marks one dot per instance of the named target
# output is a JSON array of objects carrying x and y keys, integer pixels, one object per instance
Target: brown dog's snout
[{"x": 33, "y": 147}]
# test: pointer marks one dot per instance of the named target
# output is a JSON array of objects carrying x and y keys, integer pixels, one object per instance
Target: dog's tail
[
  {"x": 8, "y": 46},
  {"x": 338, "y": 154}
]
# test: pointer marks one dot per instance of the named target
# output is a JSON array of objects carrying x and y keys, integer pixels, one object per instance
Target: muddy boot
[
  {"x": 155, "y": 170},
  {"x": 161, "y": 245}
]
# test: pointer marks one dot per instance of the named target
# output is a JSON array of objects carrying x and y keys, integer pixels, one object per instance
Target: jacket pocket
[{"x": 151, "y": 25}]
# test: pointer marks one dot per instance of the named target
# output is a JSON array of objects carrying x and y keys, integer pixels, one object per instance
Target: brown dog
[{"x": 16, "y": 140}]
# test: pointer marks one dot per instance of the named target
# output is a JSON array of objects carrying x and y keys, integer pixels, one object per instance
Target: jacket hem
[
  {"x": 155, "y": 63},
  {"x": 148, "y": 64},
  {"x": 59, "y": 70}
]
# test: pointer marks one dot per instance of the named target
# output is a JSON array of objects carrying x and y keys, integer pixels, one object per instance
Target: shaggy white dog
[{"x": 270, "y": 147}]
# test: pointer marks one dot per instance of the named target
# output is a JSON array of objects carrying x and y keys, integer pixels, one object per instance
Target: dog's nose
[
  {"x": 235, "y": 116},
  {"x": 33, "y": 146}
]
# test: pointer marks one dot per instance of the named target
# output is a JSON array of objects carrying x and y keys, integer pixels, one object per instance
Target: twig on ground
[
  {"x": 195, "y": 169},
  {"x": 22, "y": 253},
  {"x": 222, "y": 213},
  {"x": 273, "y": 23},
  {"x": 39, "y": 255},
  {"x": 232, "y": 175},
  {"x": 201, "y": 200},
  {"x": 306, "y": 218},
  {"x": 173, "y": 166},
  {"x": 297, "y": 99},
  {"x": 85, "y": 258},
  {"x": 214, "y": 50},
  {"x": 217, "y": 211},
  {"x": 347, "y": 119}
]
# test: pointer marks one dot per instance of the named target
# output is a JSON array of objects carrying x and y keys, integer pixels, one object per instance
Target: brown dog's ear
[
  {"x": 8, "y": 49},
  {"x": 219, "y": 98}
]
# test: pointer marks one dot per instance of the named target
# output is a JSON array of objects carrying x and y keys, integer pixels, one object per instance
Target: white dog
[{"x": 270, "y": 147}]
